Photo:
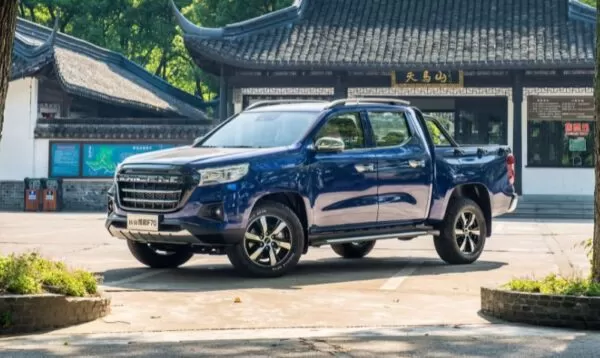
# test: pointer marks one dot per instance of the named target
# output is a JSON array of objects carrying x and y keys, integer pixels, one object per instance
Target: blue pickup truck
[{"x": 282, "y": 176}]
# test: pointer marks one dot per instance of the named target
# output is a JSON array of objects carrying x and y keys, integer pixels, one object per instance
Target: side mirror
[{"x": 329, "y": 145}]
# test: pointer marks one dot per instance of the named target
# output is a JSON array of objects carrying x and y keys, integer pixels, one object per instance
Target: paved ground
[{"x": 399, "y": 284}]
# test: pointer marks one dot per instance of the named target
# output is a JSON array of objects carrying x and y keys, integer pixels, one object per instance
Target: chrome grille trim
[{"x": 153, "y": 189}]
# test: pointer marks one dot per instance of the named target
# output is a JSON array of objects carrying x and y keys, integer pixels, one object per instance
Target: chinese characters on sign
[
  {"x": 577, "y": 129},
  {"x": 554, "y": 108},
  {"x": 427, "y": 78}
]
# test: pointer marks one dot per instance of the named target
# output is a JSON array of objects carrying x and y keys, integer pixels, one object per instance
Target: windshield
[{"x": 262, "y": 130}]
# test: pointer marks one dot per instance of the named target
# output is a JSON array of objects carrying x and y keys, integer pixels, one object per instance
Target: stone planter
[
  {"x": 30, "y": 313},
  {"x": 545, "y": 310}
]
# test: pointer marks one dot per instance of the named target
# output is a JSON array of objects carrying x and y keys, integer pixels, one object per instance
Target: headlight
[{"x": 223, "y": 174}]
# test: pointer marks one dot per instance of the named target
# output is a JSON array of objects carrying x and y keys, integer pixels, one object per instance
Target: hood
[{"x": 200, "y": 155}]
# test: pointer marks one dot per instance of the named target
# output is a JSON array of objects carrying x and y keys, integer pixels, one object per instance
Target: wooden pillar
[
  {"x": 517, "y": 96},
  {"x": 340, "y": 89},
  {"x": 223, "y": 95},
  {"x": 230, "y": 104}
]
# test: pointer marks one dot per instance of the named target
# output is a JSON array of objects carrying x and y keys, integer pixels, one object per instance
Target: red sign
[{"x": 577, "y": 129}]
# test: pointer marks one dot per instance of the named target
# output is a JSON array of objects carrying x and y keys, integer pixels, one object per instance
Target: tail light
[{"x": 510, "y": 168}]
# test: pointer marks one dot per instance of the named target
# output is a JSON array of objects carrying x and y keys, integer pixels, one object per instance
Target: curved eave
[
  {"x": 216, "y": 56},
  {"x": 54, "y": 38},
  {"x": 276, "y": 18},
  {"x": 579, "y": 11}
]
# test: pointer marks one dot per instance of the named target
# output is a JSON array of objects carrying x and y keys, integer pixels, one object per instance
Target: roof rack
[
  {"x": 282, "y": 101},
  {"x": 391, "y": 101}
]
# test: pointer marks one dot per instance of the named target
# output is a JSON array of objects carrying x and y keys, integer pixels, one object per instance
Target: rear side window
[{"x": 390, "y": 129}]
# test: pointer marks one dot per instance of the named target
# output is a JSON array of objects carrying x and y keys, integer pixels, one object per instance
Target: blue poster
[
  {"x": 101, "y": 160},
  {"x": 65, "y": 159}
]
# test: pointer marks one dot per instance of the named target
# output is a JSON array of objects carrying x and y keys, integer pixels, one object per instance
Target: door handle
[
  {"x": 365, "y": 168},
  {"x": 416, "y": 163}
]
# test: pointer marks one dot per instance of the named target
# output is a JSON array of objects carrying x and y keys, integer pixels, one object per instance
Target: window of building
[
  {"x": 347, "y": 127},
  {"x": 481, "y": 121},
  {"x": 560, "y": 143},
  {"x": 560, "y": 132},
  {"x": 389, "y": 128}
]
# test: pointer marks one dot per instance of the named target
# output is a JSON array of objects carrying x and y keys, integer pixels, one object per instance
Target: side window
[
  {"x": 437, "y": 136},
  {"x": 347, "y": 127},
  {"x": 389, "y": 128}
]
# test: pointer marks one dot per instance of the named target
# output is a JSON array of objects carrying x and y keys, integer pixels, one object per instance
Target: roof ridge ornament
[
  {"x": 279, "y": 17},
  {"x": 190, "y": 28}
]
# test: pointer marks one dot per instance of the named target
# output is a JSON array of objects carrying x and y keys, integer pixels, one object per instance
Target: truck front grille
[{"x": 152, "y": 190}]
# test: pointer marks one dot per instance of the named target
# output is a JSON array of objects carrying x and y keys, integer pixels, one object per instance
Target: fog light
[
  {"x": 213, "y": 211},
  {"x": 110, "y": 206}
]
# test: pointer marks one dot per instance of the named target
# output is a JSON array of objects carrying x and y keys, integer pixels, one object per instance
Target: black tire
[
  {"x": 455, "y": 248},
  {"x": 354, "y": 250},
  {"x": 151, "y": 258},
  {"x": 288, "y": 243}
]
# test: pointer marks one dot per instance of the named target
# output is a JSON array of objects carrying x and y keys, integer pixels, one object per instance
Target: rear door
[{"x": 404, "y": 167}]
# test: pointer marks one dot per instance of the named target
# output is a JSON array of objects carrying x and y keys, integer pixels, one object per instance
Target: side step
[{"x": 321, "y": 241}]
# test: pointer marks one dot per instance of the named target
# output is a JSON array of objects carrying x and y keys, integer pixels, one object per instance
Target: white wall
[
  {"x": 17, "y": 149},
  {"x": 554, "y": 181}
]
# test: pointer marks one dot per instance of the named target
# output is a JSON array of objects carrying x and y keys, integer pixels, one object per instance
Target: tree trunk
[
  {"x": 596, "y": 239},
  {"x": 8, "y": 22}
]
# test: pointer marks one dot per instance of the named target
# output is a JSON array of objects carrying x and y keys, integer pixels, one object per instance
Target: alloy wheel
[
  {"x": 467, "y": 232},
  {"x": 268, "y": 241}
]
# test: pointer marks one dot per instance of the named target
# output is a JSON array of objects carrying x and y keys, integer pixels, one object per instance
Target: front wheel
[
  {"x": 354, "y": 250},
  {"x": 155, "y": 258},
  {"x": 272, "y": 244},
  {"x": 462, "y": 236}
]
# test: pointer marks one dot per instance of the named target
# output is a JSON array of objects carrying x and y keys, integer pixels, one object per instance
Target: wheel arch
[
  {"x": 480, "y": 195},
  {"x": 294, "y": 201}
]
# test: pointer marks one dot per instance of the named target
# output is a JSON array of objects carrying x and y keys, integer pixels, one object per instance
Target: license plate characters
[{"x": 142, "y": 222}]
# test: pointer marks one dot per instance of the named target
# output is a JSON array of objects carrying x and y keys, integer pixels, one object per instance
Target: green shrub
[
  {"x": 29, "y": 273},
  {"x": 555, "y": 285}
]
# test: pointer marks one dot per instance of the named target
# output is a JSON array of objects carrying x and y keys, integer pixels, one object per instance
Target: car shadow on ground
[
  {"x": 366, "y": 344},
  {"x": 217, "y": 277}
]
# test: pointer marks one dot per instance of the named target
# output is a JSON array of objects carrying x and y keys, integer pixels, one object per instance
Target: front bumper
[{"x": 177, "y": 231}]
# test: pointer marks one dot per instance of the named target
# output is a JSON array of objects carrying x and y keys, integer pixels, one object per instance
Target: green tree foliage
[
  {"x": 589, "y": 2},
  {"x": 145, "y": 31}
]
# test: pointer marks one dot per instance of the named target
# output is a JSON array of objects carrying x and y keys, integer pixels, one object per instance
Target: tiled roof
[
  {"x": 404, "y": 34},
  {"x": 122, "y": 128},
  {"x": 90, "y": 71}
]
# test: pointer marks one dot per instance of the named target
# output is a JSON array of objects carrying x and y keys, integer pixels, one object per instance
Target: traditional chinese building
[
  {"x": 74, "y": 111},
  {"x": 514, "y": 72}
]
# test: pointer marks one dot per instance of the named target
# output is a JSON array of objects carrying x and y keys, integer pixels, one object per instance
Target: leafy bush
[
  {"x": 29, "y": 273},
  {"x": 556, "y": 285}
]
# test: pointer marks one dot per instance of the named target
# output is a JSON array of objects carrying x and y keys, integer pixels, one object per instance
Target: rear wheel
[
  {"x": 354, "y": 250},
  {"x": 273, "y": 242},
  {"x": 157, "y": 257},
  {"x": 462, "y": 236}
]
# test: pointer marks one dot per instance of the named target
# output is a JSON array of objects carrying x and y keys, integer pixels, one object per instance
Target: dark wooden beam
[
  {"x": 223, "y": 94},
  {"x": 340, "y": 89},
  {"x": 517, "y": 89}
]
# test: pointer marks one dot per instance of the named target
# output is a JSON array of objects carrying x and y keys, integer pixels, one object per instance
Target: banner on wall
[
  {"x": 101, "y": 160},
  {"x": 94, "y": 160},
  {"x": 65, "y": 159}
]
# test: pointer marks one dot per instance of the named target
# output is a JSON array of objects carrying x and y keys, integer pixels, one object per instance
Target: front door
[
  {"x": 404, "y": 168},
  {"x": 344, "y": 183}
]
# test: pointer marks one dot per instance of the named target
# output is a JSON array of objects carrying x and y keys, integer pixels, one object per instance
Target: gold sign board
[{"x": 428, "y": 78}]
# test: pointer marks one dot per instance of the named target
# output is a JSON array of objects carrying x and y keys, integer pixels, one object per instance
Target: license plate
[{"x": 142, "y": 222}]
